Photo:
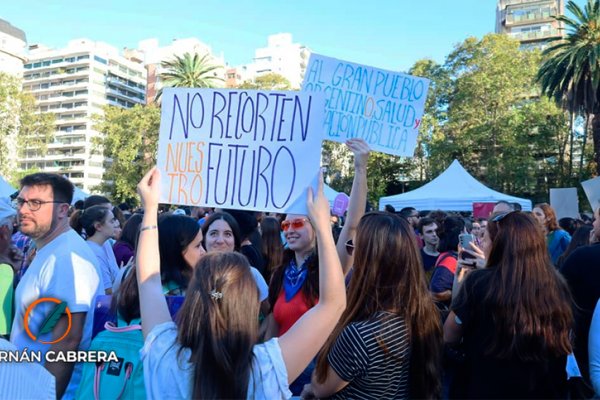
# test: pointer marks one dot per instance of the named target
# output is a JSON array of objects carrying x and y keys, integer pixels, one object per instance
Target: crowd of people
[{"x": 408, "y": 304}]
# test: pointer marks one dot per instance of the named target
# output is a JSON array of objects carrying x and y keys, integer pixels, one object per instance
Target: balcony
[
  {"x": 539, "y": 15},
  {"x": 532, "y": 36},
  {"x": 121, "y": 83}
]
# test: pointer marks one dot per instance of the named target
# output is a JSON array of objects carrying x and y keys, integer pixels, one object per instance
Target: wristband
[{"x": 147, "y": 228}]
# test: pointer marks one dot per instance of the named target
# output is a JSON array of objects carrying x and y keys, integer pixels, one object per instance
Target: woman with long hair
[
  {"x": 581, "y": 237},
  {"x": 388, "y": 343},
  {"x": 272, "y": 248},
  {"x": 514, "y": 318},
  {"x": 213, "y": 352},
  {"x": 221, "y": 233},
  {"x": 124, "y": 248},
  {"x": 99, "y": 225},
  {"x": 557, "y": 239},
  {"x": 294, "y": 286}
]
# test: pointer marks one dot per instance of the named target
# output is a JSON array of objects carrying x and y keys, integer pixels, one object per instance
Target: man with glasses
[
  {"x": 63, "y": 269},
  {"x": 412, "y": 216}
]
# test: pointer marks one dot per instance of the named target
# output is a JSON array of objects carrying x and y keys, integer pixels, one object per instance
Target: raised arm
[
  {"x": 358, "y": 199},
  {"x": 305, "y": 338},
  {"x": 153, "y": 306}
]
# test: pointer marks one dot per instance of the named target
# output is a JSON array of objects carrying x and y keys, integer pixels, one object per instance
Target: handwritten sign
[
  {"x": 382, "y": 107},
  {"x": 340, "y": 204},
  {"x": 565, "y": 202},
  {"x": 591, "y": 188},
  {"x": 252, "y": 150}
]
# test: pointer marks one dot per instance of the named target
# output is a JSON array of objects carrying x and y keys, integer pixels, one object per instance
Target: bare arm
[
  {"x": 453, "y": 332},
  {"x": 358, "y": 200},
  {"x": 153, "y": 306},
  {"x": 333, "y": 384},
  {"x": 305, "y": 338},
  {"x": 62, "y": 371}
]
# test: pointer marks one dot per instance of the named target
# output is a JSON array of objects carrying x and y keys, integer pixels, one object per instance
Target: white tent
[
  {"x": 5, "y": 189},
  {"x": 453, "y": 190},
  {"x": 79, "y": 194}
]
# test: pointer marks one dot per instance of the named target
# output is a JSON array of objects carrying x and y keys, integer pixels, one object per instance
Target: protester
[
  {"x": 124, "y": 248},
  {"x": 595, "y": 350},
  {"x": 214, "y": 354},
  {"x": 7, "y": 267},
  {"x": 445, "y": 267},
  {"x": 388, "y": 343},
  {"x": 248, "y": 225},
  {"x": 99, "y": 225},
  {"x": 581, "y": 237},
  {"x": 556, "y": 238},
  {"x": 412, "y": 216},
  {"x": 294, "y": 286},
  {"x": 502, "y": 206},
  {"x": 221, "y": 233},
  {"x": 64, "y": 268},
  {"x": 514, "y": 318},
  {"x": 582, "y": 272},
  {"x": 429, "y": 251},
  {"x": 569, "y": 225},
  {"x": 272, "y": 247},
  {"x": 180, "y": 243}
]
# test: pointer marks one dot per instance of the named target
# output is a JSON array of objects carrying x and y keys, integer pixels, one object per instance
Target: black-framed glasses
[
  {"x": 349, "y": 247},
  {"x": 34, "y": 204}
]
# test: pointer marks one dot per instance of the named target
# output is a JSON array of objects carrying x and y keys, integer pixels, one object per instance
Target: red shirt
[{"x": 287, "y": 313}]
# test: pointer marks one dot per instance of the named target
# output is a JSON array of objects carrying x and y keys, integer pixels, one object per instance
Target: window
[
  {"x": 83, "y": 57},
  {"x": 57, "y": 60},
  {"x": 100, "y": 60}
]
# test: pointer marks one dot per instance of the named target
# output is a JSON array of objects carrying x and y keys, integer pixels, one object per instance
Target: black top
[
  {"x": 485, "y": 376},
  {"x": 582, "y": 272},
  {"x": 254, "y": 257}
]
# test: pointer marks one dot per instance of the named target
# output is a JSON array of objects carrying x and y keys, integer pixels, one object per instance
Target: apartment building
[
  {"x": 74, "y": 83},
  {"x": 154, "y": 55},
  {"x": 13, "y": 43},
  {"x": 530, "y": 21}
]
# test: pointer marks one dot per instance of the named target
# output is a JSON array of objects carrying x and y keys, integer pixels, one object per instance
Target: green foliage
[
  {"x": 484, "y": 110},
  {"x": 270, "y": 81},
  {"x": 570, "y": 72},
  {"x": 130, "y": 139},
  {"x": 21, "y": 125},
  {"x": 189, "y": 71}
]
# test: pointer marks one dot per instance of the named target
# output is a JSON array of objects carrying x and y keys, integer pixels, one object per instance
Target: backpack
[{"x": 115, "y": 380}]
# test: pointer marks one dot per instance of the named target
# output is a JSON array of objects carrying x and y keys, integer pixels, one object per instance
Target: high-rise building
[
  {"x": 530, "y": 21},
  {"x": 12, "y": 48},
  {"x": 281, "y": 56},
  {"x": 155, "y": 55},
  {"x": 74, "y": 83}
]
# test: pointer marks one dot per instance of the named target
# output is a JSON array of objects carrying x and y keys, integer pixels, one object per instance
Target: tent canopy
[
  {"x": 79, "y": 194},
  {"x": 5, "y": 188},
  {"x": 453, "y": 190}
]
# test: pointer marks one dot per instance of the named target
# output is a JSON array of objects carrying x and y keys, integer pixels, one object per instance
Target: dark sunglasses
[
  {"x": 297, "y": 223},
  {"x": 500, "y": 217},
  {"x": 350, "y": 247}
]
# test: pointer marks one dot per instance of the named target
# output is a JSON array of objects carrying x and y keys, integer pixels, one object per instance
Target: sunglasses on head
[
  {"x": 500, "y": 217},
  {"x": 350, "y": 247},
  {"x": 297, "y": 223}
]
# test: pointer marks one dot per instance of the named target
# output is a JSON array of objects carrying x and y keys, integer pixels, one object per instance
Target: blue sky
[{"x": 390, "y": 34}]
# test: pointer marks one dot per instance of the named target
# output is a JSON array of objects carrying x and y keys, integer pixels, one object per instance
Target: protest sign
[
  {"x": 483, "y": 209},
  {"x": 252, "y": 150},
  {"x": 591, "y": 187},
  {"x": 565, "y": 202},
  {"x": 382, "y": 107}
]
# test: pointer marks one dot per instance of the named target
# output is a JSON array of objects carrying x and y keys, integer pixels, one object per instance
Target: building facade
[
  {"x": 74, "y": 83},
  {"x": 13, "y": 43},
  {"x": 154, "y": 55},
  {"x": 282, "y": 56},
  {"x": 531, "y": 22}
]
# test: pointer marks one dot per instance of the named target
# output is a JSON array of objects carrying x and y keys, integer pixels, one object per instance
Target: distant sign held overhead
[
  {"x": 382, "y": 107},
  {"x": 239, "y": 149}
]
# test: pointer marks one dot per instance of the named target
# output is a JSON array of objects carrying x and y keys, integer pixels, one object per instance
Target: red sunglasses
[{"x": 297, "y": 223}]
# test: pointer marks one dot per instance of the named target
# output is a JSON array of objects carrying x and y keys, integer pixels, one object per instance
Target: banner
[
  {"x": 239, "y": 149},
  {"x": 382, "y": 107}
]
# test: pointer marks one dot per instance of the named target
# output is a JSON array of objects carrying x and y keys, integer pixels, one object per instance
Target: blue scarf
[{"x": 294, "y": 278}]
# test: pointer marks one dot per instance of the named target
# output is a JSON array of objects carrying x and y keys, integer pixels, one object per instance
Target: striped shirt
[{"x": 358, "y": 357}]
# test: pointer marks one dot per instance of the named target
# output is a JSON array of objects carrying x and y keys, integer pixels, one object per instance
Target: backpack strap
[
  {"x": 111, "y": 327},
  {"x": 100, "y": 368}
]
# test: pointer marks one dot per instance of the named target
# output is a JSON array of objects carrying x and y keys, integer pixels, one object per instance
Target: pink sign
[{"x": 340, "y": 204}]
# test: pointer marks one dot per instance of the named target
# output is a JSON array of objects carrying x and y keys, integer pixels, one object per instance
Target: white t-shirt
[
  {"x": 65, "y": 269},
  {"x": 168, "y": 373},
  {"x": 106, "y": 262},
  {"x": 263, "y": 288}
]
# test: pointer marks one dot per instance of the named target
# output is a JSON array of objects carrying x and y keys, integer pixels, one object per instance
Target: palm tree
[
  {"x": 189, "y": 71},
  {"x": 571, "y": 70}
]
